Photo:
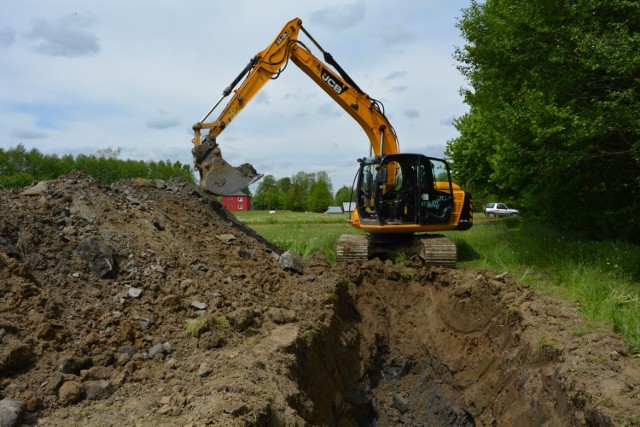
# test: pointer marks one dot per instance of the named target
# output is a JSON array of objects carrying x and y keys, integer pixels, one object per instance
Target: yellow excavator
[{"x": 400, "y": 198}]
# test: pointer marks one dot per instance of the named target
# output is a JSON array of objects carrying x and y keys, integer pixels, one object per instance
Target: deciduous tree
[{"x": 554, "y": 103}]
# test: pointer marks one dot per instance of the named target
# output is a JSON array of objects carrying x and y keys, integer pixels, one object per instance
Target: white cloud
[
  {"x": 395, "y": 75},
  {"x": 144, "y": 74},
  {"x": 340, "y": 16},
  {"x": 261, "y": 98},
  {"x": 21, "y": 134},
  {"x": 398, "y": 89},
  {"x": 448, "y": 121},
  {"x": 7, "y": 37},
  {"x": 329, "y": 110},
  {"x": 163, "y": 120},
  {"x": 394, "y": 35},
  {"x": 69, "y": 36},
  {"x": 411, "y": 113}
]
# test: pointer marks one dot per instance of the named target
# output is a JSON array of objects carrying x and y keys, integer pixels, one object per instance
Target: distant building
[
  {"x": 237, "y": 202},
  {"x": 348, "y": 206},
  {"x": 334, "y": 210}
]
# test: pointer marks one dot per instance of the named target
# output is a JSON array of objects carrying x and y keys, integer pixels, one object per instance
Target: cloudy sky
[{"x": 80, "y": 76}]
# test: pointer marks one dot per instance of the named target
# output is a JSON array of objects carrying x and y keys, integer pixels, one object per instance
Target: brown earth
[{"x": 146, "y": 303}]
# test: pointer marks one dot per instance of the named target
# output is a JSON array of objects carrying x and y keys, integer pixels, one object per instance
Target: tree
[
  {"x": 554, "y": 107},
  {"x": 344, "y": 195},
  {"x": 263, "y": 198},
  {"x": 320, "y": 197},
  {"x": 302, "y": 192},
  {"x": 320, "y": 192},
  {"x": 19, "y": 168},
  {"x": 282, "y": 190},
  {"x": 299, "y": 191},
  {"x": 108, "y": 153}
]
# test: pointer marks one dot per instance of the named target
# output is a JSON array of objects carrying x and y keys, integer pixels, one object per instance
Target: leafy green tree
[
  {"x": 344, "y": 195},
  {"x": 108, "y": 153},
  {"x": 554, "y": 106},
  {"x": 264, "y": 194},
  {"x": 302, "y": 192},
  {"x": 19, "y": 167},
  {"x": 298, "y": 193},
  {"x": 282, "y": 192},
  {"x": 320, "y": 194}
]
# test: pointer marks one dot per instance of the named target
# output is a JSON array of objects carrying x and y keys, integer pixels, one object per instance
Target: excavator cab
[{"x": 404, "y": 189}]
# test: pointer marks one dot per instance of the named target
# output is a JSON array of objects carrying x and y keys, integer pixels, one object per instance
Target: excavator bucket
[{"x": 216, "y": 175}]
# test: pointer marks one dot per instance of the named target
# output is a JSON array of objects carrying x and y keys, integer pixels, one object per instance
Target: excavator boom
[{"x": 219, "y": 177}]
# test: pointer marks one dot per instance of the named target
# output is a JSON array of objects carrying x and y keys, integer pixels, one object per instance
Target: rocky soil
[{"x": 146, "y": 303}]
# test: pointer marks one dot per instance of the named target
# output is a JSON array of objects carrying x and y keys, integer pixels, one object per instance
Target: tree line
[
  {"x": 554, "y": 118},
  {"x": 19, "y": 167},
  {"x": 303, "y": 192}
]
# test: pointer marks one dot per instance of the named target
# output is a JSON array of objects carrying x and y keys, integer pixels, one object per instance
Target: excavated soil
[{"x": 146, "y": 303}]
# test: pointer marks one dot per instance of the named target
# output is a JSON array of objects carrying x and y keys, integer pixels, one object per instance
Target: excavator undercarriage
[{"x": 434, "y": 249}]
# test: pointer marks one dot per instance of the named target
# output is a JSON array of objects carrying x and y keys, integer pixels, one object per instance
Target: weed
[
  {"x": 586, "y": 328},
  {"x": 578, "y": 368},
  {"x": 331, "y": 299},
  {"x": 631, "y": 421},
  {"x": 408, "y": 273},
  {"x": 400, "y": 257},
  {"x": 309, "y": 335},
  {"x": 548, "y": 346},
  {"x": 211, "y": 322},
  {"x": 513, "y": 310},
  {"x": 597, "y": 358},
  {"x": 602, "y": 401},
  {"x": 512, "y": 221}
]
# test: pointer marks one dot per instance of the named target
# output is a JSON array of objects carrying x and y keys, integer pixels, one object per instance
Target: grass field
[
  {"x": 603, "y": 278},
  {"x": 303, "y": 233}
]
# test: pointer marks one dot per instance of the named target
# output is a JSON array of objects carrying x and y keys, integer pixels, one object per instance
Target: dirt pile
[{"x": 146, "y": 303}]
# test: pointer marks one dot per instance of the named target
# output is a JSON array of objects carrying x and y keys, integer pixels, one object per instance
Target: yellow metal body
[{"x": 365, "y": 111}]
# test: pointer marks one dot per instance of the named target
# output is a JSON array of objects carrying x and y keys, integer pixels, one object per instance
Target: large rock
[
  {"x": 70, "y": 392},
  {"x": 99, "y": 256},
  {"x": 97, "y": 390},
  {"x": 291, "y": 261},
  {"x": 15, "y": 356},
  {"x": 11, "y": 412}
]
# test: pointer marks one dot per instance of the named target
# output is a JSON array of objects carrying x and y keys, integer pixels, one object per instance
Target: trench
[{"x": 434, "y": 350}]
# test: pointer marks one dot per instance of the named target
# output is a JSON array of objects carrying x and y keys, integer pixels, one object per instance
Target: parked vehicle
[{"x": 499, "y": 209}]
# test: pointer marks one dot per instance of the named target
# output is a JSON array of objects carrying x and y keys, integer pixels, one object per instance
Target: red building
[{"x": 237, "y": 202}]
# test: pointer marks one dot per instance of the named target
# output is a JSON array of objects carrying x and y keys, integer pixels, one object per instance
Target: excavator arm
[
  {"x": 397, "y": 194},
  {"x": 219, "y": 177}
]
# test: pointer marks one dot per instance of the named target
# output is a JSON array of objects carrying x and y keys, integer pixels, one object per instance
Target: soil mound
[{"x": 146, "y": 303}]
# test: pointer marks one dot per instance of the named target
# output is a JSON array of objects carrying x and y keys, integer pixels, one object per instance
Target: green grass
[
  {"x": 300, "y": 232},
  {"x": 306, "y": 239},
  {"x": 212, "y": 322},
  {"x": 603, "y": 278},
  {"x": 289, "y": 217}
]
